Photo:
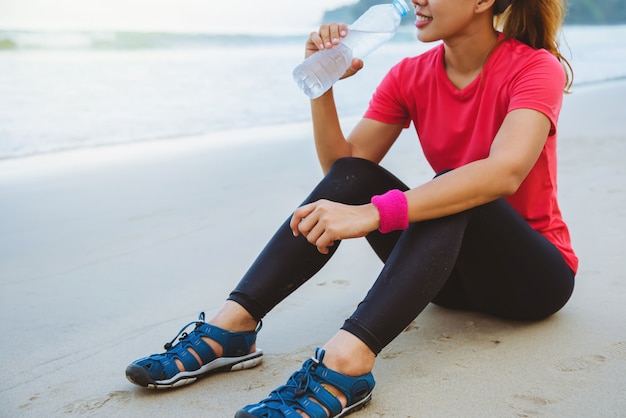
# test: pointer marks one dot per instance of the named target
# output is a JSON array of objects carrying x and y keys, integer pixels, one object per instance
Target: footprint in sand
[
  {"x": 617, "y": 350},
  {"x": 528, "y": 404},
  {"x": 94, "y": 404},
  {"x": 576, "y": 364},
  {"x": 591, "y": 361},
  {"x": 30, "y": 401}
]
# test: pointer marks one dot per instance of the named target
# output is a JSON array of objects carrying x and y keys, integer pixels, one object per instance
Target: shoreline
[
  {"x": 220, "y": 137},
  {"x": 106, "y": 252}
]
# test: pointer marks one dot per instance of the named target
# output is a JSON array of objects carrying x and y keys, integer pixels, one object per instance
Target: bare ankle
[
  {"x": 233, "y": 317},
  {"x": 348, "y": 355}
]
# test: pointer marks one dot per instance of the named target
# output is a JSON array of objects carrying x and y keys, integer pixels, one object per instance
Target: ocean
[{"x": 61, "y": 91}]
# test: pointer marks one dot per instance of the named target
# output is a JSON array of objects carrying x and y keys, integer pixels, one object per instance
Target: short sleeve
[
  {"x": 539, "y": 86},
  {"x": 387, "y": 104}
]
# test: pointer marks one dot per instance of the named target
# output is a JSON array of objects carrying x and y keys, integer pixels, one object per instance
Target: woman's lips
[{"x": 422, "y": 20}]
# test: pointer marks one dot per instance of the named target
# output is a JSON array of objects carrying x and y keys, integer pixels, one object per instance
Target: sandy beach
[{"x": 106, "y": 252}]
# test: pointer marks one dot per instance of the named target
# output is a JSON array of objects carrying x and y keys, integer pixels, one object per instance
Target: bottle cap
[{"x": 401, "y": 7}]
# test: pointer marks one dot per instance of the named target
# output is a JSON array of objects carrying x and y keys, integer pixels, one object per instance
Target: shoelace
[
  {"x": 182, "y": 333},
  {"x": 298, "y": 384}
]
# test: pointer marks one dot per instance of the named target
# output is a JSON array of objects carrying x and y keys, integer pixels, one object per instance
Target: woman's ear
[{"x": 484, "y": 5}]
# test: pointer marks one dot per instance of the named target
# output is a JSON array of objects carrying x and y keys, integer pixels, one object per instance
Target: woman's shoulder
[
  {"x": 515, "y": 60},
  {"x": 525, "y": 54}
]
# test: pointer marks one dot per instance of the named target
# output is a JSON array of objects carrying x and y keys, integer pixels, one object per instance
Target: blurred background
[{"x": 82, "y": 73}]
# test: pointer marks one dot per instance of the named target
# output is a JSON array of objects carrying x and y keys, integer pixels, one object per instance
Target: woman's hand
[
  {"x": 324, "y": 222},
  {"x": 330, "y": 35}
]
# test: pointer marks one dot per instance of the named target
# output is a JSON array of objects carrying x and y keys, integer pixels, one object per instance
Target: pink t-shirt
[{"x": 456, "y": 127}]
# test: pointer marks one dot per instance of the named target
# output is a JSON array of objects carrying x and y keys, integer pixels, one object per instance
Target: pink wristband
[{"x": 393, "y": 209}]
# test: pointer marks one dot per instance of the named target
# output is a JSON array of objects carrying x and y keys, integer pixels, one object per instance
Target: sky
[{"x": 166, "y": 15}]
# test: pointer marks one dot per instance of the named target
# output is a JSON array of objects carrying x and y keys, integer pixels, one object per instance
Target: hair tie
[{"x": 501, "y": 5}]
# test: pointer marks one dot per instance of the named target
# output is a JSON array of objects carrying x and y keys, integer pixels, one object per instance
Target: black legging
[{"x": 485, "y": 259}]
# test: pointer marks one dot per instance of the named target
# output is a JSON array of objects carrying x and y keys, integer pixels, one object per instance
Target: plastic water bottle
[{"x": 377, "y": 25}]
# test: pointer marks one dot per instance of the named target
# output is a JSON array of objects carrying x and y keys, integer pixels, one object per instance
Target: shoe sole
[
  {"x": 346, "y": 411},
  {"x": 356, "y": 407},
  {"x": 139, "y": 375}
]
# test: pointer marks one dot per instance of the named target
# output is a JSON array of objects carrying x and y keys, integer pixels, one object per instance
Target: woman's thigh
[{"x": 506, "y": 268}]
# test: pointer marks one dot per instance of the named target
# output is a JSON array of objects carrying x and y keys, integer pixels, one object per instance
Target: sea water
[{"x": 63, "y": 91}]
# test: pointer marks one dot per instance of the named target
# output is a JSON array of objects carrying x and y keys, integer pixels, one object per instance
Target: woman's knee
[
  {"x": 553, "y": 300},
  {"x": 355, "y": 180},
  {"x": 352, "y": 165}
]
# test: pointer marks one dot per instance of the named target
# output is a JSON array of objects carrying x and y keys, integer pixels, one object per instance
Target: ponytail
[{"x": 536, "y": 23}]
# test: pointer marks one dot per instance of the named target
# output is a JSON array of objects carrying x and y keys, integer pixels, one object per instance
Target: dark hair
[{"x": 536, "y": 23}]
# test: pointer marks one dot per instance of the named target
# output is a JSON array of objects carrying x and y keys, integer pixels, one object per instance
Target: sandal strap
[
  {"x": 323, "y": 397},
  {"x": 167, "y": 364},
  {"x": 235, "y": 344},
  {"x": 304, "y": 391},
  {"x": 181, "y": 351}
]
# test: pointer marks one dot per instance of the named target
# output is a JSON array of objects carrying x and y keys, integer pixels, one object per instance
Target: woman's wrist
[
  {"x": 393, "y": 210},
  {"x": 372, "y": 216}
]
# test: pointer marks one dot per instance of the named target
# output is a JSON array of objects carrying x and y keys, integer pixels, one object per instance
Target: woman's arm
[
  {"x": 514, "y": 152},
  {"x": 369, "y": 139}
]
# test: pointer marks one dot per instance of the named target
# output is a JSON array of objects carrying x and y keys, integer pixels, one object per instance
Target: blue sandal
[
  {"x": 159, "y": 371},
  {"x": 304, "y": 392}
]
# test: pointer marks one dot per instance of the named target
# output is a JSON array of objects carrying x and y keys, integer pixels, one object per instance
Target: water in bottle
[{"x": 378, "y": 24}]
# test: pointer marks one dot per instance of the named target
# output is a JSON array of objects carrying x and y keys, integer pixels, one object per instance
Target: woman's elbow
[{"x": 510, "y": 182}]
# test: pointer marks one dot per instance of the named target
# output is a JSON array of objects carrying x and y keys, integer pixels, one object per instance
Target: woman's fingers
[
  {"x": 323, "y": 222},
  {"x": 355, "y": 66},
  {"x": 332, "y": 33},
  {"x": 299, "y": 215},
  {"x": 323, "y": 242},
  {"x": 315, "y": 223},
  {"x": 327, "y": 36},
  {"x": 316, "y": 234}
]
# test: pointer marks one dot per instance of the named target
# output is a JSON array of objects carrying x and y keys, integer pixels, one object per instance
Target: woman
[{"x": 486, "y": 234}]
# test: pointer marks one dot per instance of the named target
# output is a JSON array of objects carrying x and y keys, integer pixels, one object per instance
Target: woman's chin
[{"x": 422, "y": 37}]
